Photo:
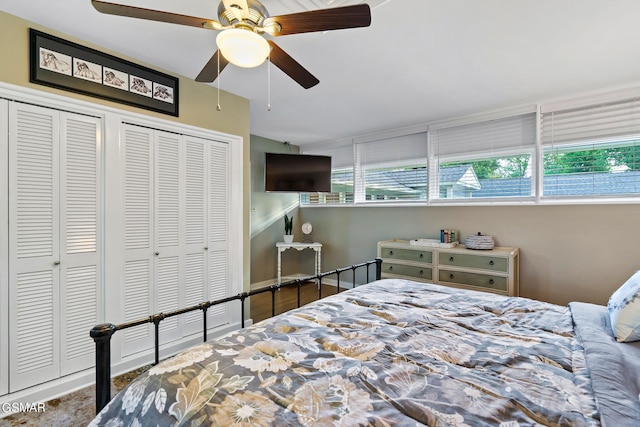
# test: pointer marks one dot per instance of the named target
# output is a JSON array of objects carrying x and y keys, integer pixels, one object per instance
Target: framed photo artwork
[{"x": 62, "y": 64}]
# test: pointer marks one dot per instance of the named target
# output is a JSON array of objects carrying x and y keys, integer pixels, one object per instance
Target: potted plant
[{"x": 288, "y": 229}]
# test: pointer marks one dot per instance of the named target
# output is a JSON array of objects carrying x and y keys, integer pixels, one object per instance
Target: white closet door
[
  {"x": 218, "y": 230},
  {"x": 168, "y": 280},
  {"x": 80, "y": 204},
  {"x": 195, "y": 240},
  {"x": 34, "y": 260},
  {"x": 137, "y": 146},
  {"x": 176, "y": 191},
  {"x": 4, "y": 246}
]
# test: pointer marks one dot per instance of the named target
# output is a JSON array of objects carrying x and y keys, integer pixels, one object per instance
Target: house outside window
[
  {"x": 599, "y": 169},
  {"x": 390, "y": 169},
  {"x": 591, "y": 150},
  {"x": 490, "y": 158}
]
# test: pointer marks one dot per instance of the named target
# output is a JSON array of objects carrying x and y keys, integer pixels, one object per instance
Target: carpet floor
[{"x": 74, "y": 409}]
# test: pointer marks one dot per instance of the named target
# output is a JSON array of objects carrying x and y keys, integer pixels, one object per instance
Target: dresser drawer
[
  {"x": 407, "y": 270},
  {"x": 485, "y": 281},
  {"x": 495, "y": 270},
  {"x": 474, "y": 261},
  {"x": 406, "y": 254}
]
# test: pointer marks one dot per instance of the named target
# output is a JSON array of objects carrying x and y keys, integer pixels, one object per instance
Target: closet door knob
[
  {"x": 206, "y": 248},
  {"x": 157, "y": 253},
  {"x": 56, "y": 262}
]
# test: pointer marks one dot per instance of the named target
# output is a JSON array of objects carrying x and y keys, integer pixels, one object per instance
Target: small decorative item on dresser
[
  {"x": 479, "y": 241},
  {"x": 448, "y": 235}
]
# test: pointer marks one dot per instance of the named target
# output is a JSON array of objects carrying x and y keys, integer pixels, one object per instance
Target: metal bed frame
[{"x": 102, "y": 333}]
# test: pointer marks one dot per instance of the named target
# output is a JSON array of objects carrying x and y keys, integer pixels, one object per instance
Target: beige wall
[
  {"x": 197, "y": 101},
  {"x": 267, "y": 213},
  {"x": 577, "y": 252},
  {"x": 567, "y": 252}
]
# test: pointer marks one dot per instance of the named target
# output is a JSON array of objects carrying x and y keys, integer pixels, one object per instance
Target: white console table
[{"x": 281, "y": 246}]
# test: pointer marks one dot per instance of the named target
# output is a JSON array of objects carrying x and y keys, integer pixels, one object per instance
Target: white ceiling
[{"x": 419, "y": 61}]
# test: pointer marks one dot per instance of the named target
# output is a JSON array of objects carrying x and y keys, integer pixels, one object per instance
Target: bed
[{"x": 398, "y": 353}]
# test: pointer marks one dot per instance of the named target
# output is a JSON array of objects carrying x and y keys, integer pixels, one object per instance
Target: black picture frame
[{"x": 62, "y": 64}]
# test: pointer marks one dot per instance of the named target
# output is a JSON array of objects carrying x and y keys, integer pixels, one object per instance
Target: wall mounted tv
[{"x": 297, "y": 173}]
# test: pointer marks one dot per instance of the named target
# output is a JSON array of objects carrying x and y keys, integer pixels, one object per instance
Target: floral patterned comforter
[{"x": 390, "y": 353}]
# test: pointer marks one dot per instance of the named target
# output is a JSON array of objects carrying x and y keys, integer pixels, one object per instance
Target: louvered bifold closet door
[
  {"x": 80, "y": 205},
  {"x": 168, "y": 231},
  {"x": 137, "y": 150},
  {"x": 34, "y": 256},
  {"x": 195, "y": 242},
  {"x": 218, "y": 230},
  {"x": 4, "y": 246}
]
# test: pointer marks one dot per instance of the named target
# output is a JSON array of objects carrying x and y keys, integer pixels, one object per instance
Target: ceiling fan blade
[
  {"x": 291, "y": 67},
  {"x": 336, "y": 18},
  {"x": 154, "y": 15},
  {"x": 210, "y": 71}
]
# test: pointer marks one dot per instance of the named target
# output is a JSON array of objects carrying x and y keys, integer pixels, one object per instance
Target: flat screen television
[{"x": 305, "y": 173}]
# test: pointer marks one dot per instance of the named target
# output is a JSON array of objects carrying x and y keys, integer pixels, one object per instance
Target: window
[
  {"x": 577, "y": 148},
  {"x": 487, "y": 159},
  {"x": 592, "y": 170},
  {"x": 341, "y": 178},
  {"x": 505, "y": 176},
  {"x": 385, "y": 170},
  {"x": 393, "y": 169},
  {"x": 592, "y": 150}
]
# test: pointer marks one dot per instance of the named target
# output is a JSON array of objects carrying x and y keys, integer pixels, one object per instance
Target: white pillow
[{"x": 624, "y": 310}]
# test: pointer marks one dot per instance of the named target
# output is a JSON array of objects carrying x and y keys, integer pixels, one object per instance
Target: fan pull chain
[
  {"x": 269, "y": 82},
  {"x": 218, "y": 107}
]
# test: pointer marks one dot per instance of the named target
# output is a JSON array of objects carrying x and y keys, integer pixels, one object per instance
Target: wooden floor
[{"x": 286, "y": 299}]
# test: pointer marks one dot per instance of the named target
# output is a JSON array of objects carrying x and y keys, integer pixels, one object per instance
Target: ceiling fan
[{"x": 243, "y": 24}]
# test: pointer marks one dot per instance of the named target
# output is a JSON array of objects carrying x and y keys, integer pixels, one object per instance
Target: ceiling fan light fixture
[{"x": 243, "y": 48}]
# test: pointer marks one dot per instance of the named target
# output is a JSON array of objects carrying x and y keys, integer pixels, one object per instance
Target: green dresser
[{"x": 494, "y": 270}]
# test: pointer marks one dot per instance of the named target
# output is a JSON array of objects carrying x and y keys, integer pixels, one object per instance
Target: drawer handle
[
  {"x": 421, "y": 256},
  {"x": 390, "y": 252},
  {"x": 390, "y": 267},
  {"x": 450, "y": 259},
  {"x": 421, "y": 272},
  {"x": 491, "y": 262},
  {"x": 451, "y": 276},
  {"x": 491, "y": 281}
]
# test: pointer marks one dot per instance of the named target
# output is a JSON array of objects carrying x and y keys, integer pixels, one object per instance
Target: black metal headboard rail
[{"x": 102, "y": 333}]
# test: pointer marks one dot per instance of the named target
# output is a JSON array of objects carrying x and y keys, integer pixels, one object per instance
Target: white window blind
[
  {"x": 604, "y": 121},
  {"x": 484, "y": 137},
  {"x": 491, "y": 158},
  {"x": 392, "y": 169},
  {"x": 341, "y": 177},
  {"x": 592, "y": 150}
]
